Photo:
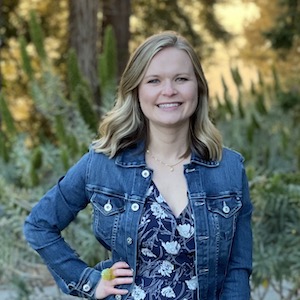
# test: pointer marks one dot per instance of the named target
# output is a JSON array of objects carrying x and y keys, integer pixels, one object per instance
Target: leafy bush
[
  {"x": 263, "y": 125},
  {"x": 33, "y": 161},
  {"x": 277, "y": 233}
]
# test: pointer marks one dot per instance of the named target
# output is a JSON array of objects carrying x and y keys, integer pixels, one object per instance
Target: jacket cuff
[{"x": 87, "y": 284}]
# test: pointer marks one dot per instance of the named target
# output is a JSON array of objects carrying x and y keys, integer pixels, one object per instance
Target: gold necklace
[{"x": 171, "y": 167}]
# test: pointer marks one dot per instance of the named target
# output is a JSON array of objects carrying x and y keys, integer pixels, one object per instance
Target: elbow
[
  {"x": 38, "y": 234},
  {"x": 31, "y": 233}
]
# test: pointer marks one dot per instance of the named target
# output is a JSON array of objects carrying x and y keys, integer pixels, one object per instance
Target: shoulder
[
  {"x": 98, "y": 156},
  {"x": 229, "y": 153},
  {"x": 231, "y": 158}
]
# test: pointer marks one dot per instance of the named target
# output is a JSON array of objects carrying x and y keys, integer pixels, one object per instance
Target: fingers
[
  {"x": 121, "y": 269},
  {"x": 120, "y": 273},
  {"x": 115, "y": 291},
  {"x": 122, "y": 280},
  {"x": 120, "y": 265}
]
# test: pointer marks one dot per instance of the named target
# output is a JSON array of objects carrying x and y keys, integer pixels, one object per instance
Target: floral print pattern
[{"x": 166, "y": 256}]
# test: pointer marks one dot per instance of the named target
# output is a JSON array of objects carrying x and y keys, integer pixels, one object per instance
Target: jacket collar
[
  {"x": 135, "y": 157},
  {"x": 132, "y": 157},
  {"x": 201, "y": 161}
]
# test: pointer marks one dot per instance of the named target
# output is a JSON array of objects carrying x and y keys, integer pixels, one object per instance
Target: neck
[{"x": 168, "y": 144}]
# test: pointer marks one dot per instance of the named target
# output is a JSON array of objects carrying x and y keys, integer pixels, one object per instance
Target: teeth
[{"x": 167, "y": 105}]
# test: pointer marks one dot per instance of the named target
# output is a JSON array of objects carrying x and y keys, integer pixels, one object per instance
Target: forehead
[{"x": 170, "y": 58}]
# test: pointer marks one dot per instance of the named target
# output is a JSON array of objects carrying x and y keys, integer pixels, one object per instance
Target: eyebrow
[{"x": 176, "y": 75}]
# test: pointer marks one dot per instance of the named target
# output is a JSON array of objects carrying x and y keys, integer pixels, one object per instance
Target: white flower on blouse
[
  {"x": 166, "y": 268},
  {"x": 157, "y": 211},
  {"x": 192, "y": 283},
  {"x": 186, "y": 230},
  {"x": 159, "y": 198},
  {"x": 168, "y": 292},
  {"x": 138, "y": 293},
  {"x": 147, "y": 252},
  {"x": 171, "y": 247}
]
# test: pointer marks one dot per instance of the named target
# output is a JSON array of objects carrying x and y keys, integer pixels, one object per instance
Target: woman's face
[{"x": 168, "y": 93}]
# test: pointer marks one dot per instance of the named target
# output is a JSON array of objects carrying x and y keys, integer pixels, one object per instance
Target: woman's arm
[
  {"x": 42, "y": 229},
  {"x": 237, "y": 286}
]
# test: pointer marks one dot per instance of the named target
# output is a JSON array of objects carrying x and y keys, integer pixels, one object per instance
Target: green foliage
[
  {"x": 81, "y": 96},
  {"x": 37, "y": 36},
  {"x": 236, "y": 77},
  {"x": 6, "y": 117},
  {"x": 4, "y": 151},
  {"x": 7, "y": 28},
  {"x": 108, "y": 58},
  {"x": 263, "y": 125},
  {"x": 73, "y": 71},
  {"x": 7, "y": 128},
  {"x": 80, "y": 92},
  {"x": 181, "y": 15},
  {"x": 25, "y": 59},
  {"x": 108, "y": 69},
  {"x": 276, "y": 232},
  {"x": 36, "y": 164},
  {"x": 71, "y": 123},
  {"x": 34, "y": 161},
  {"x": 287, "y": 29},
  {"x": 265, "y": 133}
]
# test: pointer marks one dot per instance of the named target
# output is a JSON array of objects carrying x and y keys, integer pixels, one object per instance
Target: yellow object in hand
[{"x": 107, "y": 274}]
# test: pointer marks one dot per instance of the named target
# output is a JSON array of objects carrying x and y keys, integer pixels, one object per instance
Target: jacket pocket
[
  {"x": 108, "y": 208},
  {"x": 224, "y": 211}
]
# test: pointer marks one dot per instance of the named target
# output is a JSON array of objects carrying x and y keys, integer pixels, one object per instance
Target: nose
[{"x": 169, "y": 88}]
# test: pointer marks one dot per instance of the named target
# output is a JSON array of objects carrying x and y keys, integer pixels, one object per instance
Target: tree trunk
[
  {"x": 117, "y": 13},
  {"x": 83, "y": 37}
]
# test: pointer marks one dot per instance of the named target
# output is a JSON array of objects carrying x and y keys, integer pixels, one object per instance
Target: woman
[{"x": 170, "y": 203}]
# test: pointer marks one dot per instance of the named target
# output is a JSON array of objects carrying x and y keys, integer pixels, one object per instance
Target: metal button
[
  {"x": 145, "y": 173},
  {"x": 108, "y": 206},
  {"x": 86, "y": 287},
  {"x": 135, "y": 207},
  {"x": 226, "y": 208},
  {"x": 118, "y": 297},
  {"x": 129, "y": 240}
]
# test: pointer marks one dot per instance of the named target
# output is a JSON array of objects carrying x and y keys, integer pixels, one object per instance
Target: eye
[
  {"x": 181, "y": 79},
  {"x": 155, "y": 80}
]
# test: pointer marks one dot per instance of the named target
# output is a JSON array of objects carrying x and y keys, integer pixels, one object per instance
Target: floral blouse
[{"x": 166, "y": 256}]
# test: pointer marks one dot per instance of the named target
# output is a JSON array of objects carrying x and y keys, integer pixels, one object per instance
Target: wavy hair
[{"x": 125, "y": 124}]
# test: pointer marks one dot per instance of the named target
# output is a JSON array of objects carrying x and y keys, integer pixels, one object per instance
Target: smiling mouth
[{"x": 169, "y": 105}]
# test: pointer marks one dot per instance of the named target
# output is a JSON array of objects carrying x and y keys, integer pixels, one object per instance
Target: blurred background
[{"x": 60, "y": 62}]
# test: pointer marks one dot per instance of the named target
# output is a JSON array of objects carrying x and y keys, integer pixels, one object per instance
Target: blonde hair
[{"x": 125, "y": 124}]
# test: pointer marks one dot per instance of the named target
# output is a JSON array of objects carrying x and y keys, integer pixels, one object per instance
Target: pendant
[{"x": 171, "y": 169}]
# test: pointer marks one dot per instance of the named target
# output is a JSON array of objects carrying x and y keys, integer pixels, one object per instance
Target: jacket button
[
  {"x": 108, "y": 207},
  {"x": 129, "y": 240},
  {"x": 86, "y": 287},
  {"x": 118, "y": 297},
  {"x": 226, "y": 208},
  {"x": 145, "y": 173},
  {"x": 135, "y": 207}
]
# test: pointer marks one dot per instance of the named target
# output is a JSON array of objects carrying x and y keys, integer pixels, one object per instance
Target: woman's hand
[{"x": 123, "y": 275}]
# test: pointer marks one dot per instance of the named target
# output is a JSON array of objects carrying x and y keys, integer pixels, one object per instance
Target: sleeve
[
  {"x": 42, "y": 229},
  {"x": 237, "y": 285}
]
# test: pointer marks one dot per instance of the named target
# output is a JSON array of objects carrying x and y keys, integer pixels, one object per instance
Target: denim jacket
[{"x": 116, "y": 188}]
